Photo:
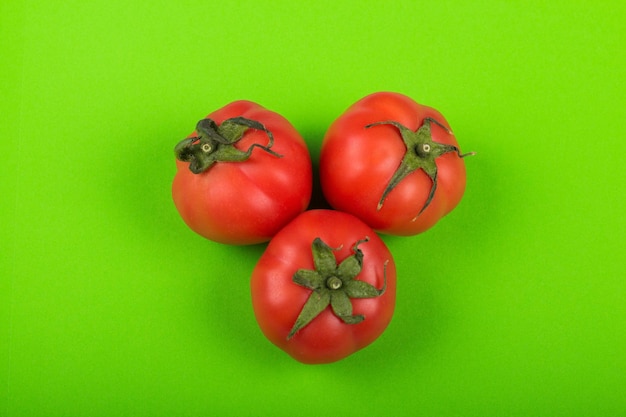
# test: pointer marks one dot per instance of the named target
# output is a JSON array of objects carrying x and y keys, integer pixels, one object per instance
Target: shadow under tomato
[{"x": 317, "y": 197}]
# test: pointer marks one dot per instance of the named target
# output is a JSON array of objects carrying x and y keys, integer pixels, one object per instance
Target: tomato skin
[
  {"x": 356, "y": 164},
  {"x": 247, "y": 202},
  {"x": 277, "y": 300}
]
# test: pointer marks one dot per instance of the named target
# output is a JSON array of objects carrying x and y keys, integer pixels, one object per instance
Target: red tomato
[
  {"x": 307, "y": 287},
  {"x": 393, "y": 163},
  {"x": 252, "y": 175}
]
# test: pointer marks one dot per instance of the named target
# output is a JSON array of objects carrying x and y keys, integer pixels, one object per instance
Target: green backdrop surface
[{"x": 513, "y": 305}]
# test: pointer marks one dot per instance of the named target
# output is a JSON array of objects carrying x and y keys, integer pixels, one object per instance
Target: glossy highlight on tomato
[
  {"x": 243, "y": 174},
  {"x": 325, "y": 287},
  {"x": 393, "y": 163}
]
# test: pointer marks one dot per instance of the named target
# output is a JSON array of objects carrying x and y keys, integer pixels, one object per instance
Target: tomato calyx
[
  {"x": 333, "y": 284},
  {"x": 216, "y": 143},
  {"x": 421, "y": 153}
]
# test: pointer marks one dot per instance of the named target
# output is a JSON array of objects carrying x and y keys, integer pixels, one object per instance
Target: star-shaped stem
[
  {"x": 333, "y": 284},
  {"x": 217, "y": 143},
  {"x": 421, "y": 153}
]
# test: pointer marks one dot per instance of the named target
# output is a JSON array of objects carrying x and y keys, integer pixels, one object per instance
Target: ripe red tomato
[
  {"x": 243, "y": 174},
  {"x": 325, "y": 287},
  {"x": 393, "y": 163}
]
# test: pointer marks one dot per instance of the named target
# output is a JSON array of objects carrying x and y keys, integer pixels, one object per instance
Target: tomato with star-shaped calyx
[
  {"x": 393, "y": 163},
  {"x": 325, "y": 287}
]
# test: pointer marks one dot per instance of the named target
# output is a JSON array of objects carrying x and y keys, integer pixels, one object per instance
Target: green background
[{"x": 513, "y": 305}]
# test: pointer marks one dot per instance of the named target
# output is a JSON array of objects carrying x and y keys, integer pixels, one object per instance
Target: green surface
[{"x": 513, "y": 305}]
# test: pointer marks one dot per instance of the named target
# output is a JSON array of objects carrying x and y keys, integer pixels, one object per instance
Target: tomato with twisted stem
[{"x": 241, "y": 175}]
